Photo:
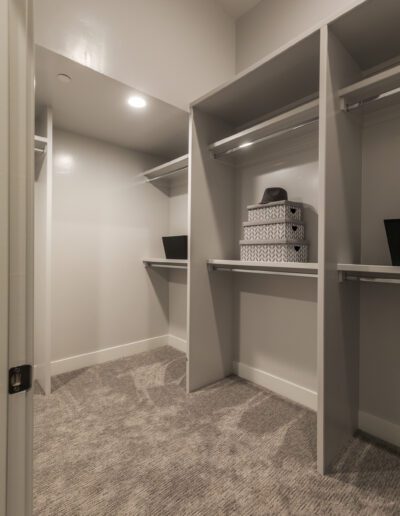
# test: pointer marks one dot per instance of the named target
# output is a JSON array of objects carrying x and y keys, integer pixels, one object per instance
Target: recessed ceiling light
[
  {"x": 137, "y": 102},
  {"x": 63, "y": 77}
]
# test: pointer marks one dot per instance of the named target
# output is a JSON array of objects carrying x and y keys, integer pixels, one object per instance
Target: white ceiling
[
  {"x": 95, "y": 105},
  {"x": 236, "y": 8}
]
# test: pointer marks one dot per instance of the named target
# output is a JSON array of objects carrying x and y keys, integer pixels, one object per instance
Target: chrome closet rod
[
  {"x": 373, "y": 280},
  {"x": 161, "y": 266},
  {"x": 270, "y": 273},
  {"x": 369, "y": 100},
  {"x": 149, "y": 180},
  {"x": 40, "y": 150},
  {"x": 310, "y": 121}
]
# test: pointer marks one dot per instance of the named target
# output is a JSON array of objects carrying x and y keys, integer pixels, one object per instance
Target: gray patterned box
[
  {"x": 279, "y": 229},
  {"x": 273, "y": 251},
  {"x": 275, "y": 210}
]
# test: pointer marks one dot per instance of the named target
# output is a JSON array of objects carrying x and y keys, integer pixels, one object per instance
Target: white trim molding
[
  {"x": 65, "y": 365},
  {"x": 378, "y": 427},
  {"x": 285, "y": 388},
  {"x": 177, "y": 343},
  {"x": 72, "y": 363}
]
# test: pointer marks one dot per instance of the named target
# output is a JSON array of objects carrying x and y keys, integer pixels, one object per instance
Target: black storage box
[
  {"x": 175, "y": 247},
  {"x": 392, "y": 227}
]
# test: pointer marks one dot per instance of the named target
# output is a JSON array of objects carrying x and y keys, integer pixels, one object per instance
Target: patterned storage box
[
  {"x": 279, "y": 229},
  {"x": 275, "y": 251},
  {"x": 275, "y": 210}
]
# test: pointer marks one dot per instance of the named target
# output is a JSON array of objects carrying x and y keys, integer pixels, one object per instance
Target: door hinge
[{"x": 19, "y": 379}]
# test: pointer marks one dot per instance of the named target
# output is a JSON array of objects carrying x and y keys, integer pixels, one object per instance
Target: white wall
[
  {"x": 276, "y": 317},
  {"x": 104, "y": 223},
  {"x": 272, "y": 23},
  {"x": 380, "y": 325},
  {"x": 175, "y": 50}
]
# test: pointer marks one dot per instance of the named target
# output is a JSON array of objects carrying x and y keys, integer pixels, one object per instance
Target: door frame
[
  {"x": 4, "y": 171},
  {"x": 16, "y": 251}
]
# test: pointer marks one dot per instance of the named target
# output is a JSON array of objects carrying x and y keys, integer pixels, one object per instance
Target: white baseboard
[
  {"x": 381, "y": 428},
  {"x": 177, "y": 343},
  {"x": 100, "y": 356},
  {"x": 290, "y": 390}
]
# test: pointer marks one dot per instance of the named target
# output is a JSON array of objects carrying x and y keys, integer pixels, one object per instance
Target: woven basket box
[
  {"x": 273, "y": 251},
  {"x": 275, "y": 210},
  {"x": 279, "y": 229}
]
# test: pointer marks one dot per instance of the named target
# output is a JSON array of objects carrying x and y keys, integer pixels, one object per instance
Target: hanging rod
[
  {"x": 166, "y": 266},
  {"x": 42, "y": 151},
  {"x": 149, "y": 180},
  {"x": 369, "y": 100},
  {"x": 371, "y": 280},
  {"x": 269, "y": 273},
  {"x": 242, "y": 146}
]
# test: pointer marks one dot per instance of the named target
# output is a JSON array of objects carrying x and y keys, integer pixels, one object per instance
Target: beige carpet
[{"x": 123, "y": 438}]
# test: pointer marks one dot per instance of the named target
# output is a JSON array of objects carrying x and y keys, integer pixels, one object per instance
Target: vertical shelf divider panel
[
  {"x": 43, "y": 192},
  {"x": 339, "y": 241},
  {"x": 211, "y": 209}
]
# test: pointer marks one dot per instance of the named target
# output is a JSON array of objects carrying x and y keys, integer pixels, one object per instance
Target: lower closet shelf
[
  {"x": 165, "y": 263},
  {"x": 302, "y": 270}
]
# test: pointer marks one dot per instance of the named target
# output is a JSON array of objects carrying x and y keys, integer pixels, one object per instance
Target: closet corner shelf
[
  {"x": 165, "y": 263},
  {"x": 289, "y": 121},
  {"x": 306, "y": 270},
  {"x": 382, "y": 85},
  {"x": 369, "y": 273},
  {"x": 40, "y": 144},
  {"x": 40, "y": 153},
  {"x": 167, "y": 169}
]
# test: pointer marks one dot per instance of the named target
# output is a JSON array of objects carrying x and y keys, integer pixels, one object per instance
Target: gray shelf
[
  {"x": 165, "y": 263},
  {"x": 383, "y": 85},
  {"x": 40, "y": 153},
  {"x": 369, "y": 273},
  {"x": 282, "y": 78},
  {"x": 167, "y": 169},
  {"x": 290, "y": 121}
]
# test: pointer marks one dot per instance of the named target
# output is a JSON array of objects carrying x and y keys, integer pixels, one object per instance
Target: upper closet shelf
[
  {"x": 40, "y": 153},
  {"x": 369, "y": 273},
  {"x": 308, "y": 270},
  {"x": 293, "y": 120},
  {"x": 383, "y": 85},
  {"x": 40, "y": 144},
  {"x": 167, "y": 169},
  {"x": 165, "y": 263}
]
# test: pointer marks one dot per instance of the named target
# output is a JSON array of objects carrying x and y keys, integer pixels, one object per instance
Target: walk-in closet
[
  {"x": 110, "y": 182},
  {"x": 216, "y": 212}
]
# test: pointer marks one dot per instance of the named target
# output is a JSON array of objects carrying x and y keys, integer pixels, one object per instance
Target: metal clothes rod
[
  {"x": 373, "y": 280},
  {"x": 161, "y": 266},
  {"x": 270, "y": 273},
  {"x": 360, "y": 103},
  {"x": 242, "y": 146},
  {"x": 149, "y": 180},
  {"x": 40, "y": 150}
]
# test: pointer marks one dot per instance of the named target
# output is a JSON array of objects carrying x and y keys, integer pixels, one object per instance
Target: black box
[
  {"x": 392, "y": 227},
  {"x": 175, "y": 247}
]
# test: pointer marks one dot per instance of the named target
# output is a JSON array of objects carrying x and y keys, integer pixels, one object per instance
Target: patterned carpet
[{"x": 123, "y": 439}]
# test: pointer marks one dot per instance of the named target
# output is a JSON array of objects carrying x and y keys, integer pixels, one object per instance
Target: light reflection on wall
[
  {"x": 87, "y": 53},
  {"x": 64, "y": 163}
]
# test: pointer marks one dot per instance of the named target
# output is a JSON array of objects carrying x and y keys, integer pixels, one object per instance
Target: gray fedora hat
[{"x": 274, "y": 195}]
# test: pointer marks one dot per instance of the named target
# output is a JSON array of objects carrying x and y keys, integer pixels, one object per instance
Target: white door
[{"x": 16, "y": 251}]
